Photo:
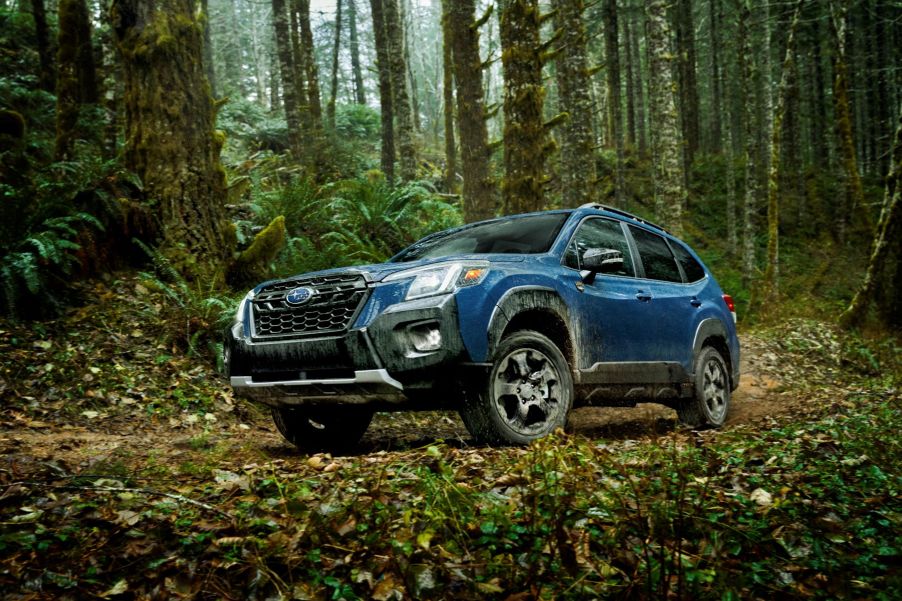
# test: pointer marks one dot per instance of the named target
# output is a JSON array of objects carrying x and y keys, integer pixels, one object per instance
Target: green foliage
[
  {"x": 32, "y": 268},
  {"x": 357, "y": 121}
]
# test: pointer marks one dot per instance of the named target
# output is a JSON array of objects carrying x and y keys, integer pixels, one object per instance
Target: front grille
[{"x": 331, "y": 309}]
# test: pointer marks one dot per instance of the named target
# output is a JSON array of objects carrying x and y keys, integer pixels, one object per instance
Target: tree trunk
[
  {"x": 448, "y": 97},
  {"x": 299, "y": 58},
  {"x": 308, "y": 51},
  {"x": 406, "y": 20},
  {"x": 386, "y": 99},
  {"x": 359, "y": 91},
  {"x": 666, "y": 140},
  {"x": 886, "y": 240},
  {"x": 631, "y": 70},
  {"x": 398, "y": 67},
  {"x": 715, "y": 127},
  {"x": 47, "y": 75},
  {"x": 749, "y": 77},
  {"x": 771, "y": 272},
  {"x": 275, "y": 76},
  {"x": 821, "y": 152},
  {"x": 687, "y": 80},
  {"x": 289, "y": 84},
  {"x": 615, "y": 114},
  {"x": 854, "y": 193},
  {"x": 333, "y": 90},
  {"x": 526, "y": 143},
  {"x": 635, "y": 26},
  {"x": 170, "y": 139},
  {"x": 479, "y": 188},
  {"x": 578, "y": 176},
  {"x": 76, "y": 77},
  {"x": 208, "y": 48}
]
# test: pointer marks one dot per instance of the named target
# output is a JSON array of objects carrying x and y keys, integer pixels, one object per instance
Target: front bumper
[{"x": 377, "y": 364}]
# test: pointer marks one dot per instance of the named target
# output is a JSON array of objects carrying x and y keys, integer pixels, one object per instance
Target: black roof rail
[{"x": 602, "y": 207}]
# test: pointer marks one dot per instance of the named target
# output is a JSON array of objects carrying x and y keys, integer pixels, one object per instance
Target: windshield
[{"x": 530, "y": 234}]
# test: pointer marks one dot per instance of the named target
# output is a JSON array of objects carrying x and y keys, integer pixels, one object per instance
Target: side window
[
  {"x": 599, "y": 233},
  {"x": 693, "y": 270},
  {"x": 656, "y": 256}
]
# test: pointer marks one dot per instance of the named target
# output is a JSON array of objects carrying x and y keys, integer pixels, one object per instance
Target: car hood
[{"x": 379, "y": 271}]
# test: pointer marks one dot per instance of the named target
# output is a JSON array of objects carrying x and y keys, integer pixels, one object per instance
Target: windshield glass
[{"x": 530, "y": 234}]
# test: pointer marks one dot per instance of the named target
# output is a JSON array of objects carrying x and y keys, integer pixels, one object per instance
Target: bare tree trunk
[
  {"x": 578, "y": 175},
  {"x": 312, "y": 72},
  {"x": 716, "y": 130},
  {"x": 526, "y": 143},
  {"x": 479, "y": 188},
  {"x": 635, "y": 25},
  {"x": 333, "y": 91},
  {"x": 394, "y": 36},
  {"x": 687, "y": 80},
  {"x": 407, "y": 22},
  {"x": 170, "y": 139},
  {"x": 47, "y": 75},
  {"x": 665, "y": 128},
  {"x": 615, "y": 115},
  {"x": 359, "y": 91},
  {"x": 448, "y": 96},
  {"x": 748, "y": 69},
  {"x": 886, "y": 240},
  {"x": 631, "y": 73},
  {"x": 771, "y": 272},
  {"x": 386, "y": 99}
]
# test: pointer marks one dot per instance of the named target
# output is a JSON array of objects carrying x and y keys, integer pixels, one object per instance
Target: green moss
[{"x": 252, "y": 265}]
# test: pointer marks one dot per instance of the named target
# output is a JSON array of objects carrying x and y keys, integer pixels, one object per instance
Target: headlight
[
  {"x": 440, "y": 279},
  {"x": 239, "y": 314}
]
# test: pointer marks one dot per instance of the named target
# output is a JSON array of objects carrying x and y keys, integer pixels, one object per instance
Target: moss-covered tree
[
  {"x": 354, "y": 47},
  {"x": 526, "y": 142},
  {"x": 749, "y": 76},
  {"x": 687, "y": 78},
  {"x": 615, "y": 111},
  {"x": 333, "y": 83},
  {"x": 47, "y": 74},
  {"x": 394, "y": 35},
  {"x": 170, "y": 141},
  {"x": 386, "y": 98},
  {"x": 666, "y": 138},
  {"x": 479, "y": 190},
  {"x": 578, "y": 172},
  {"x": 448, "y": 102},
  {"x": 312, "y": 71},
  {"x": 76, "y": 83},
  {"x": 290, "y": 101}
]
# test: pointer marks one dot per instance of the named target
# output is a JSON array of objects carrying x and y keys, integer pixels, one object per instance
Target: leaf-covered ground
[{"x": 127, "y": 470}]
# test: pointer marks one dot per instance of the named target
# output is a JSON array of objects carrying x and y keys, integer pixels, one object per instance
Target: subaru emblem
[{"x": 298, "y": 296}]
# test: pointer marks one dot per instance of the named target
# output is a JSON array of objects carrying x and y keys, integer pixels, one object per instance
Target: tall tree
[
  {"x": 687, "y": 79},
  {"x": 715, "y": 129},
  {"x": 479, "y": 187},
  {"x": 386, "y": 97},
  {"x": 578, "y": 173},
  {"x": 289, "y": 83},
  {"x": 749, "y": 77},
  {"x": 448, "y": 97},
  {"x": 359, "y": 91},
  {"x": 634, "y": 15},
  {"x": 312, "y": 71},
  {"x": 336, "y": 46},
  {"x": 885, "y": 244},
  {"x": 394, "y": 34},
  {"x": 773, "y": 199},
  {"x": 76, "y": 77},
  {"x": 526, "y": 143},
  {"x": 47, "y": 75},
  {"x": 615, "y": 110},
  {"x": 208, "y": 47},
  {"x": 407, "y": 22},
  {"x": 666, "y": 138},
  {"x": 170, "y": 139}
]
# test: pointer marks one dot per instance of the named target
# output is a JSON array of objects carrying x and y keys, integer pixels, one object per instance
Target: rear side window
[
  {"x": 656, "y": 257},
  {"x": 599, "y": 233},
  {"x": 692, "y": 268}
]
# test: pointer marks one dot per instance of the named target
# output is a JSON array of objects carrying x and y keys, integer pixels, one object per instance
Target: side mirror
[{"x": 601, "y": 260}]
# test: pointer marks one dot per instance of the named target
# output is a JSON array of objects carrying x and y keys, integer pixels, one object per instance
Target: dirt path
[{"x": 137, "y": 442}]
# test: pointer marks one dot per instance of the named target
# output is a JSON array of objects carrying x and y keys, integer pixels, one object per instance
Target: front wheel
[
  {"x": 710, "y": 401},
  {"x": 322, "y": 429},
  {"x": 528, "y": 394}
]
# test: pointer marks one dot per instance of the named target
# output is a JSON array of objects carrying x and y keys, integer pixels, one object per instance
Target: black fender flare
[
  {"x": 521, "y": 299},
  {"x": 713, "y": 327}
]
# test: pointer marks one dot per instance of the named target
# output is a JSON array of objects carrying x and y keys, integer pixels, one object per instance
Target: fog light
[{"x": 425, "y": 337}]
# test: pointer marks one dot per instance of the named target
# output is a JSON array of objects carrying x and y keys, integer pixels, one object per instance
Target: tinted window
[
  {"x": 599, "y": 233},
  {"x": 528, "y": 235},
  {"x": 656, "y": 256},
  {"x": 693, "y": 270}
]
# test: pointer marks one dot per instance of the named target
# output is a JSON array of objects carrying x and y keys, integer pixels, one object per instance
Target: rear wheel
[
  {"x": 711, "y": 400},
  {"x": 322, "y": 429},
  {"x": 528, "y": 394}
]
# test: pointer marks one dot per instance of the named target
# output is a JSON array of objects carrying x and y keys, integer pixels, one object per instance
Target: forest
[{"x": 158, "y": 158}]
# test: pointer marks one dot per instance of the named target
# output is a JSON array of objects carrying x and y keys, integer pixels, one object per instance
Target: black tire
[
  {"x": 527, "y": 395},
  {"x": 710, "y": 402},
  {"x": 319, "y": 429}
]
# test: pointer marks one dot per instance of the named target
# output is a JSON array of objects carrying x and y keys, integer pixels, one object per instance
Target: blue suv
[{"x": 512, "y": 322}]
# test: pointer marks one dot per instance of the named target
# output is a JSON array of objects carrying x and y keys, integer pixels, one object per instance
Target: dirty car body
[{"x": 512, "y": 322}]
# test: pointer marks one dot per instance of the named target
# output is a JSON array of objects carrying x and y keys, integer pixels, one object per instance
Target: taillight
[{"x": 728, "y": 301}]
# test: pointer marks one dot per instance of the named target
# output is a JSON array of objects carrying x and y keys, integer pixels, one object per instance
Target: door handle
[
  {"x": 695, "y": 302},
  {"x": 643, "y": 296}
]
